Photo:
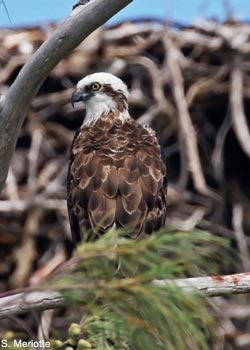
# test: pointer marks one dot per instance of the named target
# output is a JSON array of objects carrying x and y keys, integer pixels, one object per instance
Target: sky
[{"x": 33, "y": 12}]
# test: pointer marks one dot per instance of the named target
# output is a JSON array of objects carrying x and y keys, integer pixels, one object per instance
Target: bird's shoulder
[{"x": 126, "y": 136}]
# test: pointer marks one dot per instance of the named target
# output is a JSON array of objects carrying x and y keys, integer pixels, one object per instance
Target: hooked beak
[{"x": 79, "y": 95}]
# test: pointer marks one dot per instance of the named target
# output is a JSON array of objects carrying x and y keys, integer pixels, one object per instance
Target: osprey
[{"x": 116, "y": 175}]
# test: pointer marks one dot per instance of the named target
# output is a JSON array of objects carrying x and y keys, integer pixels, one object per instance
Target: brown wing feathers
[{"x": 116, "y": 178}]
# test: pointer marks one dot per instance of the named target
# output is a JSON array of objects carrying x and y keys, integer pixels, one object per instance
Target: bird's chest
[{"x": 108, "y": 141}]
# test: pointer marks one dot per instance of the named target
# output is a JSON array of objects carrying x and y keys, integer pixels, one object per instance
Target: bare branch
[
  {"x": 207, "y": 286},
  {"x": 237, "y": 221},
  {"x": 239, "y": 122},
  {"x": 23, "y": 302},
  {"x": 213, "y": 286},
  {"x": 14, "y": 105},
  {"x": 19, "y": 205}
]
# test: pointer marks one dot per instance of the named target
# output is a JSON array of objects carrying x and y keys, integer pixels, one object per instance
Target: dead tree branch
[
  {"x": 24, "y": 302},
  {"x": 207, "y": 286},
  {"x": 213, "y": 286},
  {"x": 14, "y": 105}
]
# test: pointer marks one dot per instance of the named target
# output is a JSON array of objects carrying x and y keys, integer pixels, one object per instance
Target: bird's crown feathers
[{"x": 104, "y": 78}]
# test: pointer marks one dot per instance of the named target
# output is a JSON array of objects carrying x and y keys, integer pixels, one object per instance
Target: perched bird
[{"x": 116, "y": 175}]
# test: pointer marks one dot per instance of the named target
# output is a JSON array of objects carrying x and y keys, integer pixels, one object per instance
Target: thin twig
[
  {"x": 157, "y": 82},
  {"x": 217, "y": 155},
  {"x": 6, "y": 10},
  {"x": 37, "y": 137},
  {"x": 186, "y": 126},
  {"x": 237, "y": 221},
  {"x": 11, "y": 186},
  {"x": 240, "y": 125}
]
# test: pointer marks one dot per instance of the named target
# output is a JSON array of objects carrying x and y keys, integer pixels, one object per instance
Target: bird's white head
[{"x": 102, "y": 93}]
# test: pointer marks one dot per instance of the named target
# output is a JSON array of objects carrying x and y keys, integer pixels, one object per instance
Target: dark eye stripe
[{"x": 89, "y": 87}]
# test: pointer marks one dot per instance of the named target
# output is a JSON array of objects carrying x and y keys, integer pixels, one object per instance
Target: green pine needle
[{"x": 112, "y": 282}]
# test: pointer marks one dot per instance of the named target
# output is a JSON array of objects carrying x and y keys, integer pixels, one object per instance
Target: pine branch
[
  {"x": 119, "y": 280},
  {"x": 14, "y": 105}
]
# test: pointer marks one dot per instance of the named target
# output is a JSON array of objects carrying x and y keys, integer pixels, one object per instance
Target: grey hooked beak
[{"x": 79, "y": 96}]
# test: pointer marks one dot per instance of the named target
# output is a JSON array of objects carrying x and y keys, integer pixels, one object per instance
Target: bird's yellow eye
[{"x": 95, "y": 86}]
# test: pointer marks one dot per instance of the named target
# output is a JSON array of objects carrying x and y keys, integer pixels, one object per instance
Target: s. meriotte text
[{"x": 18, "y": 343}]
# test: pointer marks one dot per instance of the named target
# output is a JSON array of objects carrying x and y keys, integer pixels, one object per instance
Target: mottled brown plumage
[{"x": 116, "y": 176}]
